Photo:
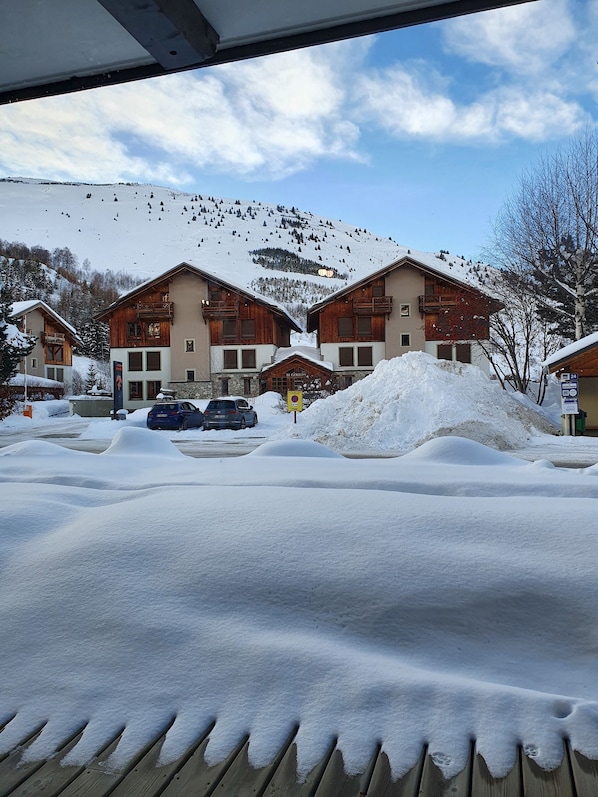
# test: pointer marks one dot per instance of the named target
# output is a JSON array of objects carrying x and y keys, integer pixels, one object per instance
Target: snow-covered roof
[
  {"x": 310, "y": 353},
  {"x": 571, "y": 349},
  {"x": 19, "y": 309},
  {"x": 277, "y": 306}
]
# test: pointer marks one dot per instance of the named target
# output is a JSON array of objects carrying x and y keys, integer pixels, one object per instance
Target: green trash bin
[{"x": 580, "y": 422}]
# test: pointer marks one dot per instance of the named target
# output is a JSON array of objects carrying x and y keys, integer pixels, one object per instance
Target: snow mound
[
  {"x": 294, "y": 448},
  {"x": 39, "y": 448},
  {"x": 460, "y": 451},
  {"x": 411, "y": 399},
  {"x": 135, "y": 441}
]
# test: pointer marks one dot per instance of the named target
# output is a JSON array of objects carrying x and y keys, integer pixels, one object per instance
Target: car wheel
[
  {"x": 206, "y": 427},
  {"x": 183, "y": 426},
  {"x": 255, "y": 420},
  {"x": 243, "y": 424}
]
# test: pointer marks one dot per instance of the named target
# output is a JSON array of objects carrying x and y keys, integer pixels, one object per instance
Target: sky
[
  {"x": 430, "y": 597},
  {"x": 418, "y": 134}
]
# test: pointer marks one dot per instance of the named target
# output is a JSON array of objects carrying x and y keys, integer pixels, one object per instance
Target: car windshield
[
  {"x": 221, "y": 405},
  {"x": 167, "y": 407}
]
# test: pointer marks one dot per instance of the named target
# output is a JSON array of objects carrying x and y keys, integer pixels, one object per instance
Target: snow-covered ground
[{"x": 438, "y": 596}]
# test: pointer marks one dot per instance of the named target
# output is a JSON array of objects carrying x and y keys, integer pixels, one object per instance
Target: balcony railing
[
  {"x": 54, "y": 338},
  {"x": 155, "y": 310},
  {"x": 215, "y": 310},
  {"x": 377, "y": 305},
  {"x": 438, "y": 302}
]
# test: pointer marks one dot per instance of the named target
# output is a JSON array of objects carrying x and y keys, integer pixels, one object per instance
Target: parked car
[
  {"x": 175, "y": 415},
  {"x": 229, "y": 413}
]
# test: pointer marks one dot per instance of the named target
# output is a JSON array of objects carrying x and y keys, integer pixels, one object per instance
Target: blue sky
[{"x": 417, "y": 134}]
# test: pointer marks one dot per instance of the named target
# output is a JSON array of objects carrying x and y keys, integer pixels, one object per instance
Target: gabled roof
[
  {"x": 401, "y": 263},
  {"x": 272, "y": 305},
  {"x": 19, "y": 309},
  {"x": 570, "y": 352},
  {"x": 307, "y": 354}
]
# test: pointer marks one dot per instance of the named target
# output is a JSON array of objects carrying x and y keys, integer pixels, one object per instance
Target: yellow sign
[{"x": 295, "y": 400}]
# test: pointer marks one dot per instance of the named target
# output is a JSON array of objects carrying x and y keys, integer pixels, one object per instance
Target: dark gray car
[{"x": 229, "y": 413}]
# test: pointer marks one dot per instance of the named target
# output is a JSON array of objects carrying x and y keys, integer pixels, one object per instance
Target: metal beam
[{"x": 174, "y": 32}]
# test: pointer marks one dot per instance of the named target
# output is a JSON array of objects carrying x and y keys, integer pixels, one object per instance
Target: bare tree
[{"x": 547, "y": 233}]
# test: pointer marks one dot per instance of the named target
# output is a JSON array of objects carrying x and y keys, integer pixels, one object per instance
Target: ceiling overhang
[{"x": 56, "y": 47}]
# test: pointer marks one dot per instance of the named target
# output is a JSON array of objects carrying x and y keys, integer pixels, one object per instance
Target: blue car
[{"x": 175, "y": 415}]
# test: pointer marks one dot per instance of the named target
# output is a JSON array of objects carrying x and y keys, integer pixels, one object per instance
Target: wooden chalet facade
[
  {"x": 580, "y": 358},
  {"x": 52, "y": 356},
  {"x": 190, "y": 331},
  {"x": 294, "y": 370},
  {"x": 407, "y": 306}
]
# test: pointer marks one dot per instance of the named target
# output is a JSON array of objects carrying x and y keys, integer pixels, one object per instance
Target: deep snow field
[{"x": 438, "y": 596}]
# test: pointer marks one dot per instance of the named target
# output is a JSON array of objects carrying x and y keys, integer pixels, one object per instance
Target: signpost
[
  {"x": 117, "y": 389},
  {"x": 569, "y": 401},
  {"x": 295, "y": 402}
]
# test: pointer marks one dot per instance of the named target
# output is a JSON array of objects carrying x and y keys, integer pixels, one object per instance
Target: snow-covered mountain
[{"x": 145, "y": 230}]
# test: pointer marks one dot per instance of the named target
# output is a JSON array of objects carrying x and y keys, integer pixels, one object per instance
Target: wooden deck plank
[
  {"x": 98, "y": 781},
  {"x": 335, "y": 782},
  {"x": 196, "y": 778},
  {"x": 285, "y": 783},
  {"x": 585, "y": 774},
  {"x": 538, "y": 782},
  {"x": 383, "y": 785},
  {"x": 32, "y": 777},
  {"x": 484, "y": 785},
  {"x": 434, "y": 784}
]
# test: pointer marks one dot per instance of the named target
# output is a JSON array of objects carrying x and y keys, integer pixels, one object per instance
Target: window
[
  {"x": 135, "y": 361},
  {"x": 364, "y": 326},
  {"x": 34, "y": 362},
  {"x": 248, "y": 358},
  {"x": 279, "y": 384},
  {"x": 345, "y": 355},
  {"x": 50, "y": 373},
  {"x": 364, "y": 355},
  {"x": 444, "y": 351},
  {"x": 224, "y": 387},
  {"x": 248, "y": 327},
  {"x": 153, "y": 329},
  {"x": 153, "y": 388},
  {"x": 153, "y": 360},
  {"x": 463, "y": 352},
  {"x": 229, "y": 329},
  {"x": 190, "y": 375},
  {"x": 60, "y": 374},
  {"x": 230, "y": 359},
  {"x": 405, "y": 339},
  {"x": 404, "y": 310},
  {"x": 54, "y": 353},
  {"x": 190, "y": 345},
  {"x": 345, "y": 381},
  {"x": 134, "y": 329},
  {"x": 247, "y": 386},
  {"x": 135, "y": 390},
  {"x": 377, "y": 290},
  {"x": 345, "y": 327}
]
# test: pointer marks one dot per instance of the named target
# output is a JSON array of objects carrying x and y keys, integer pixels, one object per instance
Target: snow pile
[
  {"x": 439, "y": 597},
  {"x": 414, "y": 398}
]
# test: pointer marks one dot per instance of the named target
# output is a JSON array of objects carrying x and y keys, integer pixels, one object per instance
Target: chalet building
[
  {"x": 298, "y": 368},
  {"x": 190, "y": 331},
  {"x": 52, "y": 357},
  {"x": 581, "y": 358},
  {"x": 406, "y": 306}
]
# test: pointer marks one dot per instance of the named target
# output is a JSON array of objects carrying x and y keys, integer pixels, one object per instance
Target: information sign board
[{"x": 569, "y": 394}]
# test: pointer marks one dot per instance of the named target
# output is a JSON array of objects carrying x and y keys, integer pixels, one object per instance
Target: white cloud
[
  {"x": 415, "y": 103},
  {"x": 526, "y": 39},
  {"x": 269, "y": 118}
]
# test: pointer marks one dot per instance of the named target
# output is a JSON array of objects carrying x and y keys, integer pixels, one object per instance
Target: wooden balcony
[
  {"x": 438, "y": 302},
  {"x": 54, "y": 338},
  {"x": 153, "y": 311},
  {"x": 378, "y": 305},
  {"x": 219, "y": 310}
]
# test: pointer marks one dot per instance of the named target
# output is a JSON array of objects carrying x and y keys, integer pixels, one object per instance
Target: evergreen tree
[{"x": 14, "y": 345}]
